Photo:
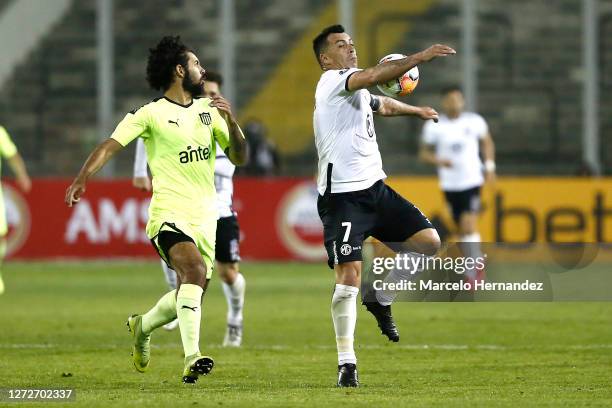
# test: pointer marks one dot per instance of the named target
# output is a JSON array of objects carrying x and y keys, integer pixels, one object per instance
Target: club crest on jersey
[
  {"x": 206, "y": 118},
  {"x": 346, "y": 249}
]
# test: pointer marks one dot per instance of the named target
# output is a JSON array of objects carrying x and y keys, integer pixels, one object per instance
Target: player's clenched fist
[
  {"x": 223, "y": 105},
  {"x": 74, "y": 193}
]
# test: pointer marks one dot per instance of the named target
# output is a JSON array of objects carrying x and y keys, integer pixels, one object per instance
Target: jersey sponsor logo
[
  {"x": 18, "y": 219},
  {"x": 369, "y": 125},
  {"x": 190, "y": 155},
  {"x": 346, "y": 249},
  {"x": 205, "y": 118},
  {"x": 176, "y": 122}
]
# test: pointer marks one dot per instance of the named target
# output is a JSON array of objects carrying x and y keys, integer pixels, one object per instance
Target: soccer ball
[{"x": 403, "y": 85}]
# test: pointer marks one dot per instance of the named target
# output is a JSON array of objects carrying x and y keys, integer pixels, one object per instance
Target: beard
[{"x": 190, "y": 85}]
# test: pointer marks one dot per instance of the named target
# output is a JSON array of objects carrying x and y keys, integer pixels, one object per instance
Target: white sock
[
  {"x": 470, "y": 246},
  {"x": 475, "y": 237},
  {"x": 170, "y": 275},
  {"x": 189, "y": 312},
  {"x": 386, "y": 297},
  {"x": 344, "y": 315},
  {"x": 234, "y": 294}
]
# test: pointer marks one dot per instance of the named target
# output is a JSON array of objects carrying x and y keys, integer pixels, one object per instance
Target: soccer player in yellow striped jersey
[
  {"x": 180, "y": 132},
  {"x": 9, "y": 152}
]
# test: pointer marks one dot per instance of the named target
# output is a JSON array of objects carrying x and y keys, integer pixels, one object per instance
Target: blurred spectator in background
[
  {"x": 454, "y": 145},
  {"x": 585, "y": 170},
  {"x": 263, "y": 156}
]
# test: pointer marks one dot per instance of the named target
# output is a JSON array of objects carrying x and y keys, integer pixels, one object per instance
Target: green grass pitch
[{"x": 59, "y": 318}]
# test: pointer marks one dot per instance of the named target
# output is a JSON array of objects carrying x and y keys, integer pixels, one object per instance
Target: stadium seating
[{"x": 533, "y": 104}]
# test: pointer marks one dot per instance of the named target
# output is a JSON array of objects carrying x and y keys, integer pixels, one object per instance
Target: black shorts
[
  {"x": 166, "y": 239},
  {"x": 466, "y": 201},
  {"x": 227, "y": 246},
  {"x": 349, "y": 218}
]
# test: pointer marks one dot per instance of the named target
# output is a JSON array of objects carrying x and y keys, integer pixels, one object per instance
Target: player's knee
[
  {"x": 433, "y": 248},
  {"x": 191, "y": 270},
  {"x": 228, "y": 272},
  {"x": 348, "y": 273},
  {"x": 430, "y": 242},
  {"x": 467, "y": 224}
]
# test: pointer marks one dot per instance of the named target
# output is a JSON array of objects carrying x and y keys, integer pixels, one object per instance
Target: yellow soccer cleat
[
  {"x": 195, "y": 366},
  {"x": 141, "y": 351}
]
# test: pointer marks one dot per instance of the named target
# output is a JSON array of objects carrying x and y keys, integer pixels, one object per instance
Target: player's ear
[
  {"x": 323, "y": 59},
  {"x": 179, "y": 70}
]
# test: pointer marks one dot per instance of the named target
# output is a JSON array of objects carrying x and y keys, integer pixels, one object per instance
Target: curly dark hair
[
  {"x": 166, "y": 55},
  {"x": 451, "y": 88}
]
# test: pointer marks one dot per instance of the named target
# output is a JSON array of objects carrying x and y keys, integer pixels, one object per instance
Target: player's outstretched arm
[
  {"x": 237, "y": 152},
  {"x": 427, "y": 155},
  {"x": 21, "y": 174},
  {"x": 487, "y": 146},
  {"x": 389, "y": 70},
  {"x": 393, "y": 107},
  {"x": 96, "y": 160}
]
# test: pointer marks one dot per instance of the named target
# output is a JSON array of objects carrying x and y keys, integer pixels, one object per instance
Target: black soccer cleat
[
  {"x": 199, "y": 365},
  {"x": 347, "y": 375},
  {"x": 383, "y": 318}
]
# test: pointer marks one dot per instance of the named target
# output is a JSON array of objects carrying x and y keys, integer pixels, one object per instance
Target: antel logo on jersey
[
  {"x": 298, "y": 223},
  {"x": 346, "y": 249},
  {"x": 17, "y": 219},
  {"x": 190, "y": 155}
]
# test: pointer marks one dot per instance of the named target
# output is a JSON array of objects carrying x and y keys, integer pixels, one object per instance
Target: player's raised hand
[
  {"x": 437, "y": 50},
  {"x": 223, "y": 105},
  {"x": 426, "y": 113},
  {"x": 74, "y": 192}
]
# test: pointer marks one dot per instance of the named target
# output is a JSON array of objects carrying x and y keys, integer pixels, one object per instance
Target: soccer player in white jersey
[
  {"x": 454, "y": 145},
  {"x": 354, "y": 202},
  {"x": 181, "y": 131},
  {"x": 227, "y": 249}
]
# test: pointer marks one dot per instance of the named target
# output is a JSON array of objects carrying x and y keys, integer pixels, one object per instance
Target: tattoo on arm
[{"x": 393, "y": 107}]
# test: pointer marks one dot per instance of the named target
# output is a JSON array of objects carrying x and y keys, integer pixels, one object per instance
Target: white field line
[{"x": 278, "y": 347}]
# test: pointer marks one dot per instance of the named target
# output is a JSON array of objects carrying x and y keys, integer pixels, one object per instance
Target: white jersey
[
  {"x": 345, "y": 135},
  {"x": 224, "y": 172},
  {"x": 458, "y": 140}
]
